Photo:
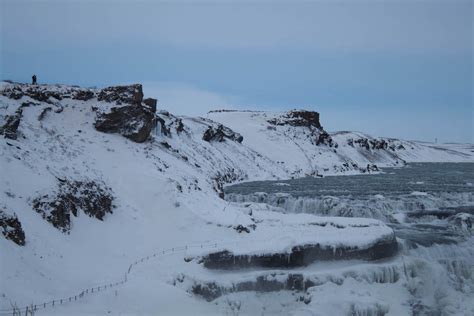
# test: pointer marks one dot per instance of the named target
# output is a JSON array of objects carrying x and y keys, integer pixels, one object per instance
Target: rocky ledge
[
  {"x": 298, "y": 118},
  {"x": 300, "y": 256}
]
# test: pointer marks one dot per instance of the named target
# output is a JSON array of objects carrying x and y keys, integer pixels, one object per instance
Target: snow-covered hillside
[
  {"x": 92, "y": 179},
  {"x": 302, "y": 146}
]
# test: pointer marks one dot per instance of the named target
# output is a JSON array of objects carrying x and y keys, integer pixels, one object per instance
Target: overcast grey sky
[{"x": 389, "y": 68}]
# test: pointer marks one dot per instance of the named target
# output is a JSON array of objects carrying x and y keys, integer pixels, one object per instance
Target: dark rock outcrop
[
  {"x": 324, "y": 139},
  {"x": 132, "y": 121},
  {"x": 375, "y": 144},
  {"x": 221, "y": 133},
  {"x": 92, "y": 198},
  {"x": 179, "y": 126},
  {"x": 151, "y": 104},
  {"x": 230, "y": 175},
  {"x": 298, "y": 118},
  {"x": 132, "y": 94},
  {"x": 40, "y": 93},
  {"x": 12, "y": 122},
  {"x": 83, "y": 95},
  {"x": 11, "y": 228},
  {"x": 371, "y": 168},
  {"x": 300, "y": 256}
]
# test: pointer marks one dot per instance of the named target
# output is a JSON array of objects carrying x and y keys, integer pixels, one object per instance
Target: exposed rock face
[
  {"x": 325, "y": 139},
  {"x": 263, "y": 283},
  {"x": 299, "y": 118},
  {"x": 132, "y": 121},
  {"x": 11, "y": 228},
  {"x": 9, "y": 129},
  {"x": 371, "y": 168},
  {"x": 179, "y": 126},
  {"x": 222, "y": 178},
  {"x": 299, "y": 256},
  {"x": 221, "y": 133},
  {"x": 83, "y": 95},
  {"x": 43, "y": 93},
  {"x": 375, "y": 144},
  {"x": 132, "y": 94},
  {"x": 151, "y": 103},
  {"x": 36, "y": 92},
  {"x": 93, "y": 199}
]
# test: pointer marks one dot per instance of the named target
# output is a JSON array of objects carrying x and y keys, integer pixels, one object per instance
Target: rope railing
[{"x": 32, "y": 308}]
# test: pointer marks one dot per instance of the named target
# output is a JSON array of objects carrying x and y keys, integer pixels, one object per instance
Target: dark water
[{"x": 424, "y": 177}]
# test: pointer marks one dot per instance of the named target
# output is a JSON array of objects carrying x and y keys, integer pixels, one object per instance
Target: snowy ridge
[{"x": 164, "y": 180}]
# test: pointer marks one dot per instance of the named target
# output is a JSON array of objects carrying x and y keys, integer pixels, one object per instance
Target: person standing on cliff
[{"x": 33, "y": 79}]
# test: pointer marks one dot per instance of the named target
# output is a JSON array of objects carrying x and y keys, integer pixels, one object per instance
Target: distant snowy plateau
[{"x": 110, "y": 206}]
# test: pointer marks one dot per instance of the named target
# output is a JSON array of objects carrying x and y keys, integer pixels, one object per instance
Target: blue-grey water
[{"x": 425, "y": 177}]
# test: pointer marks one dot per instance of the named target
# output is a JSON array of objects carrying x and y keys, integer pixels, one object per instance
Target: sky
[{"x": 388, "y": 68}]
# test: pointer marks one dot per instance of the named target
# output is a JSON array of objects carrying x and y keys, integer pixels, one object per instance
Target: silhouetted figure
[{"x": 33, "y": 79}]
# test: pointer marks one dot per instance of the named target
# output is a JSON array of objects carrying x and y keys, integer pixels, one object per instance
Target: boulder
[
  {"x": 132, "y": 94},
  {"x": 131, "y": 121},
  {"x": 221, "y": 133}
]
